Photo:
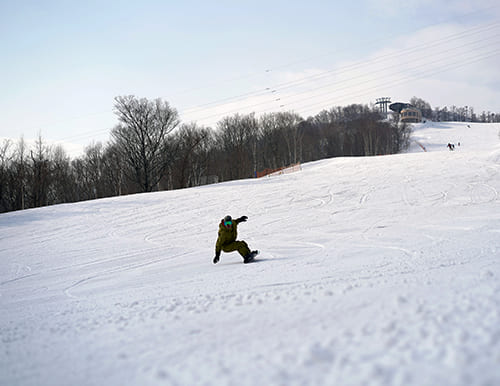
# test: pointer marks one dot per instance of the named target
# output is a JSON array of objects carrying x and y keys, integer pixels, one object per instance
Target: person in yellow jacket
[{"x": 226, "y": 242}]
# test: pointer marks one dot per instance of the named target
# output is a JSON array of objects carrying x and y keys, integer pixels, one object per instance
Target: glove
[
  {"x": 216, "y": 258},
  {"x": 242, "y": 219}
]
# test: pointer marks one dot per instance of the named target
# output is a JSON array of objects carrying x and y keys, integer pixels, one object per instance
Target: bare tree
[
  {"x": 40, "y": 173},
  {"x": 62, "y": 187},
  {"x": 237, "y": 136},
  {"x": 20, "y": 171},
  {"x": 423, "y": 106},
  {"x": 142, "y": 137},
  {"x": 189, "y": 141},
  {"x": 94, "y": 169},
  {"x": 290, "y": 126},
  {"x": 114, "y": 171},
  {"x": 271, "y": 142},
  {"x": 5, "y": 161}
]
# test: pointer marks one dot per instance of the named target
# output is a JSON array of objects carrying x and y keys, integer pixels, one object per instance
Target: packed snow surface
[{"x": 373, "y": 271}]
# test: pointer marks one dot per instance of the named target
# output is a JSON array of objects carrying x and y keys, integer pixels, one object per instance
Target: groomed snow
[{"x": 373, "y": 271}]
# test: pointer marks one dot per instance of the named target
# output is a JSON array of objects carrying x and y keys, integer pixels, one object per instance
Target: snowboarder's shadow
[
  {"x": 254, "y": 261},
  {"x": 259, "y": 260}
]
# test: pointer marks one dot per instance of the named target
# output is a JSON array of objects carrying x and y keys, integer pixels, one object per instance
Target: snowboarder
[{"x": 227, "y": 240}]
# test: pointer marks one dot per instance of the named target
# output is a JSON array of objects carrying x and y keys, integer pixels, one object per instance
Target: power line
[
  {"x": 410, "y": 59},
  {"x": 408, "y": 79},
  {"x": 404, "y": 52},
  {"x": 425, "y": 64},
  {"x": 268, "y": 69},
  {"x": 316, "y": 77}
]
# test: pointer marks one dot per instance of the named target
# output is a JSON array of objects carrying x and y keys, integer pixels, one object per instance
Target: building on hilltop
[
  {"x": 407, "y": 112},
  {"x": 411, "y": 115}
]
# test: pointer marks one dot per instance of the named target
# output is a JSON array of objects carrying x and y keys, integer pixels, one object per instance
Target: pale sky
[{"x": 63, "y": 62}]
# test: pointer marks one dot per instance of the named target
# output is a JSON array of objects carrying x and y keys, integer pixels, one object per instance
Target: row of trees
[
  {"x": 151, "y": 150},
  {"x": 453, "y": 113}
]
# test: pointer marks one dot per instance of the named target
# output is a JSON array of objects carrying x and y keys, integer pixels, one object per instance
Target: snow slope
[{"x": 373, "y": 271}]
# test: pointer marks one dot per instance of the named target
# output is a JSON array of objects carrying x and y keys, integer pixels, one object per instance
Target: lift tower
[{"x": 383, "y": 102}]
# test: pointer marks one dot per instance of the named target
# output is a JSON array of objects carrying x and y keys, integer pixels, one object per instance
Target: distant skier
[{"x": 227, "y": 242}]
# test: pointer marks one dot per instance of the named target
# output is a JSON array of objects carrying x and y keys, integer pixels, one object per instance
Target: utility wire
[
  {"x": 336, "y": 83},
  {"x": 273, "y": 90},
  {"x": 363, "y": 63},
  {"x": 407, "y": 79}
]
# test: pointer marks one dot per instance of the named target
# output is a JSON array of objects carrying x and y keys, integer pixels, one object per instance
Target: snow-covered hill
[{"x": 380, "y": 270}]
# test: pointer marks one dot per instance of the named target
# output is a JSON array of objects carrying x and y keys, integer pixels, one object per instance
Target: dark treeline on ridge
[{"x": 151, "y": 150}]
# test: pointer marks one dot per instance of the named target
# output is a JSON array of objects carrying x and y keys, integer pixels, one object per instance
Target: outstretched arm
[{"x": 241, "y": 219}]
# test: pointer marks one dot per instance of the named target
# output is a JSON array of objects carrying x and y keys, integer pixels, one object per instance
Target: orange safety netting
[{"x": 282, "y": 170}]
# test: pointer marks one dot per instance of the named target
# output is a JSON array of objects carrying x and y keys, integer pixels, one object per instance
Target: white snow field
[{"x": 373, "y": 271}]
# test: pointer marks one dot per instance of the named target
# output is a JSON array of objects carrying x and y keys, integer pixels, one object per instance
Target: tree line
[
  {"x": 151, "y": 150},
  {"x": 453, "y": 113}
]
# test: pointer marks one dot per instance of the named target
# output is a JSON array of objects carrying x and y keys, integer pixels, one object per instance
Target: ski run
[{"x": 372, "y": 271}]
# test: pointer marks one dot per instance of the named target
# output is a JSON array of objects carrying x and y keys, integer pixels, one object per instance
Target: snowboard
[{"x": 251, "y": 258}]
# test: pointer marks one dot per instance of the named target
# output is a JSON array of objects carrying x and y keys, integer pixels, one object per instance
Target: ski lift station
[{"x": 407, "y": 112}]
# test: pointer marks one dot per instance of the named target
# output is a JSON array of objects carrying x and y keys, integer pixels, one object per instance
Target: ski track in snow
[{"x": 373, "y": 270}]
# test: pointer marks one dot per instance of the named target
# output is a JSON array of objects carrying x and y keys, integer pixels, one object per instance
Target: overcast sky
[{"x": 63, "y": 62}]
